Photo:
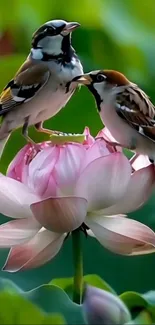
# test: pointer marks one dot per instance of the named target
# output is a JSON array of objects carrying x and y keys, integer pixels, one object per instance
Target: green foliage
[
  {"x": 92, "y": 279},
  {"x": 53, "y": 299},
  {"x": 134, "y": 300},
  {"x": 43, "y": 305},
  {"x": 143, "y": 318},
  {"x": 50, "y": 304},
  {"x": 96, "y": 281},
  {"x": 138, "y": 303},
  {"x": 21, "y": 310}
]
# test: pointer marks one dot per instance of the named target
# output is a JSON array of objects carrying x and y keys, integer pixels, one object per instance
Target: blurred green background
[{"x": 117, "y": 34}]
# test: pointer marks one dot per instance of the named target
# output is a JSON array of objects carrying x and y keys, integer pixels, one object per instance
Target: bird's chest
[
  {"x": 56, "y": 94},
  {"x": 51, "y": 99}
]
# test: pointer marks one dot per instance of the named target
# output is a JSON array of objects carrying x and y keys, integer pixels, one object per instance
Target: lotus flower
[
  {"x": 102, "y": 307},
  {"x": 65, "y": 186}
]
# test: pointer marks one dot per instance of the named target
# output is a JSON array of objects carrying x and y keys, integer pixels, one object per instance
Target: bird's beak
[
  {"x": 70, "y": 27},
  {"x": 85, "y": 79}
]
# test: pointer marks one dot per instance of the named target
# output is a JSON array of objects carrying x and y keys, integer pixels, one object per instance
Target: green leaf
[
  {"x": 48, "y": 298},
  {"x": 22, "y": 311},
  {"x": 9, "y": 286},
  {"x": 51, "y": 298},
  {"x": 92, "y": 279},
  {"x": 150, "y": 298},
  {"x": 96, "y": 281},
  {"x": 133, "y": 300},
  {"x": 65, "y": 284},
  {"x": 143, "y": 318}
]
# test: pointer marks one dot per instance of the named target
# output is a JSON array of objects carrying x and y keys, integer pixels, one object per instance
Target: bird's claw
[
  {"x": 32, "y": 152},
  {"x": 111, "y": 143}
]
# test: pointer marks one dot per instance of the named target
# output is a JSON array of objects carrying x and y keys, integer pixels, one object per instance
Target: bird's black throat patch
[
  {"x": 65, "y": 56},
  {"x": 96, "y": 95}
]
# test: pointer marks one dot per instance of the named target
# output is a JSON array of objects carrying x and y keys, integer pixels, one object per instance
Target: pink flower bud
[{"x": 103, "y": 308}]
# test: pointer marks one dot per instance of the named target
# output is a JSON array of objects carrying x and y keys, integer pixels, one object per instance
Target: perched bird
[
  {"x": 40, "y": 87},
  {"x": 125, "y": 110}
]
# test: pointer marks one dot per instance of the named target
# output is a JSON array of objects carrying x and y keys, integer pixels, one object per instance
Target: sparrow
[
  {"x": 40, "y": 88},
  {"x": 125, "y": 110}
]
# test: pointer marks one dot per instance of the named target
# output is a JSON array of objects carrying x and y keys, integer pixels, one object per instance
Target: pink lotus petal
[
  {"x": 104, "y": 181},
  {"x": 68, "y": 167},
  {"x": 15, "y": 168},
  {"x": 105, "y": 133},
  {"x": 15, "y": 198},
  {"x": 139, "y": 190},
  {"x": 121, "y": 235},
  {"x": 89, "y": 139},
  {"x": 17, "y": 231},
  {"x": 63, "y": 214},
  {"x": 39, "y": 250},
  {"x": 40, "y": 169},
  {"x": 140, "y": 162},
  {"x": 97, "y": 150}
]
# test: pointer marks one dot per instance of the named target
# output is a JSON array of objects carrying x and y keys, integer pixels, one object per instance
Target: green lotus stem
[{"x": 78, "y": 266}]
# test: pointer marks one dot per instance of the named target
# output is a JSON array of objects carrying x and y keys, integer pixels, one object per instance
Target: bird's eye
[{"x": 100, "y": 77}]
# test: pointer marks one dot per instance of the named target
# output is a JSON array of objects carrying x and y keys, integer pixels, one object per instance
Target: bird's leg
[
  {"x": 111, "y": 143},
  {"x": 40, "y": 128},
  {"x": 34, "y": 145},
  {"x": 114, "y": 144},
  {"x": 25, "y": 132}
]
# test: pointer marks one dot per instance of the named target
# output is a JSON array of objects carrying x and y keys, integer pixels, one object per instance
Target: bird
[
  {"x": 125, "y": 110},
  {"x": 41, "y": 86}
]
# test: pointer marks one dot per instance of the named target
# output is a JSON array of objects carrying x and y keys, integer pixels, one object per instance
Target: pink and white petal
[
  {"x": 121, "y": 235},
  {"x": 138, "y": 191},
  {"x": 68, "y": 167},
  {"x": 40, "y": 169},
  {"x": 105, "y": 134},
  {"x": 18, "y": 231},
  {"x": 104, "y": 181},
  {"x": 39, "y": 250},
  {"x": 18, "y": 163},
  {"x": 15, "y": 198},
  {"x": 63, "y": 214},
  {"x": 89, "y": 139},
  {"x": 140, "y": 162},
  {"x": 97, "y": 150}
]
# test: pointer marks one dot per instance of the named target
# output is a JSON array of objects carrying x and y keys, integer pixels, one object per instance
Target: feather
[
  {"x": 29, "y": 79},
  {"x": 134, "y": 106}
]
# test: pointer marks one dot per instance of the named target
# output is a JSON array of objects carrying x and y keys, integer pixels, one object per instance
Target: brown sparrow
[
  {"x": 124, "y": 108},
  {"x": 40, "y": 87}
]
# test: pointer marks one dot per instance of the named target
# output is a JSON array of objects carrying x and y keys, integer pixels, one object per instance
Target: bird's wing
[
  {"x": 135, "y": 107},
  {"x": 25, "y": 85}
]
